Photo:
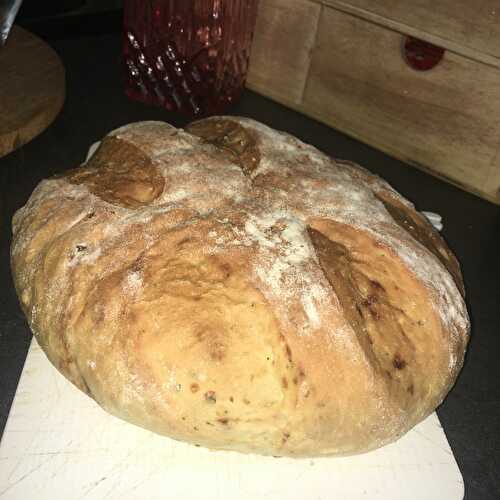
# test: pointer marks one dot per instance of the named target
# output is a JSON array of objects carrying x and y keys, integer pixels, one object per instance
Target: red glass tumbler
[{"x": 189, "y": 56}]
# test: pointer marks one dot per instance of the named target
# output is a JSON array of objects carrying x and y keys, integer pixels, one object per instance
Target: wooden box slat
[
  {"x": 350, "y": 74},
  {"x": 471, "y": 28},
  {"x": 282, "y": 47},
  {"x": 440, "y": 118}
]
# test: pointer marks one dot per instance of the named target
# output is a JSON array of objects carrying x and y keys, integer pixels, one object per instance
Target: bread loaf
[{"x": 233, "y": 287}]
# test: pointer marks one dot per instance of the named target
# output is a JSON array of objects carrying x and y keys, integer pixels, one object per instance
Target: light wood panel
[
  {"x": 445, "y": 121},
  {"x": 470, "y": 28},
  {"x": 447, "y": 118},
  {"x": 281, "y": 49}
]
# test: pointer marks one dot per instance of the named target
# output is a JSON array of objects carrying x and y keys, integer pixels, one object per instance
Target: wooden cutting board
[
  {"x": 32, "y": 89},
  {"x": 59, "y": 444}
]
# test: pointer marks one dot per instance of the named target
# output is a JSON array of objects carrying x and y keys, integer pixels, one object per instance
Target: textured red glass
[
  {"x": 189, "y": 56},
  {"x": 421, "y": 55}
]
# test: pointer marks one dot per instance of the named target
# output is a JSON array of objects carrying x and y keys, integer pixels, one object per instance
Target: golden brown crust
[{"x": 232, "y": 287}]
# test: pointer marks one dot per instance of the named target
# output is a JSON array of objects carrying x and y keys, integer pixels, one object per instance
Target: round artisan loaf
[{"x": 233, "y": 287}]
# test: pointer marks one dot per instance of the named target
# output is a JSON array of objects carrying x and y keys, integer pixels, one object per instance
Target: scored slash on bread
[{"x": 231, "y": 286}]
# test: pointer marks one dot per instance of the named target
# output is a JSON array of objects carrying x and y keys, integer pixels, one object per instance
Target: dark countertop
[{"x": 95, "y": 104}]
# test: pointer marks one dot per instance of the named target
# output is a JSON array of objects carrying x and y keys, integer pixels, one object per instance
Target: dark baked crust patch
[
  {"x": 235, "y": 141},
  {"x": 121, "y": 174},
  {"x": 422, "y": 231}
]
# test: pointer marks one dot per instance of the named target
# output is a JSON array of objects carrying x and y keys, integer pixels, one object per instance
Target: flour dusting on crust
[{"x": 293, "y": 185}]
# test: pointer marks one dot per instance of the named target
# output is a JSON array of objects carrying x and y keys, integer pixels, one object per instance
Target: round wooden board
[{"x": 32, "y": 89}]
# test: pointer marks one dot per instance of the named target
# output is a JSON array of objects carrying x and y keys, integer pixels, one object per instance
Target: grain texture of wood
[
  {"x": 468, "y": 28},
  {"x": 32, "y": 89},
  {"x": 447, "y": 118},
  {"x": 281, "y": 50},
  {"x": 445, "y": 121}
]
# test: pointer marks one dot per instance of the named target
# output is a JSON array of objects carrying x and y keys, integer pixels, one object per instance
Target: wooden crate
[{"x": 342, "y": 63}]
